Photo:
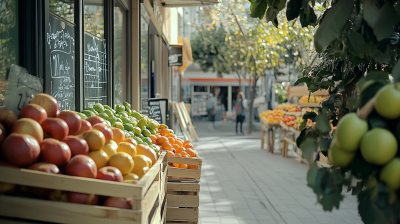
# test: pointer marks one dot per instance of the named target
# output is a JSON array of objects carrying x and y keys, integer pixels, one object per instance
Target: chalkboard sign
[
  {"x": 61, "y": 44},
  {"x": 157, "y": 109},
  {"x": 95, "y": 70},
  {"x": 175, "y": 55}
]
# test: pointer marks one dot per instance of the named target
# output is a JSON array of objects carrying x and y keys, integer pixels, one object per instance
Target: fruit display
[
  {"x": 272, "y": 115},
  {"x": 288, "y": 107},
  {"x": 312, "y": 99},
  {"x": 289, "y": 120},
  {"x": 100, "y": 142},
  {"x": 359, "y": 138}
]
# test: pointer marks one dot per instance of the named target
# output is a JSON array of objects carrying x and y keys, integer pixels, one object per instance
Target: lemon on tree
[
  {"x": 387, "y": 102},
  {"x": 390, "y": 174},
  {"x": 378, "y": 146},
  {"x": 349, "y": 132},
  {"x": 338, "y": 157}
]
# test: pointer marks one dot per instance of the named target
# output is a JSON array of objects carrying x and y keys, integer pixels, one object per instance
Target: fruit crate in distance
[
  {"x": 183, "y": 202},
  {"x": 185, "y": 174},
  {"x": 148, "y": 197}
]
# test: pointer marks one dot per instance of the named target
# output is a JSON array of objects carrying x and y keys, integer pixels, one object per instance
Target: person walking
[
  {"x": 240, "y": 115},
  {"x": 211, "y": 104}
]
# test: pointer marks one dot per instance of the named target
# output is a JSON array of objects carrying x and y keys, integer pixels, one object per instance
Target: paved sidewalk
[{"x": 241, "y": 183}]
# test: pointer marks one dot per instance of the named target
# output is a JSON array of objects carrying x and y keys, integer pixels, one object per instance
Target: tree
[{"x": 357, "y": 45}]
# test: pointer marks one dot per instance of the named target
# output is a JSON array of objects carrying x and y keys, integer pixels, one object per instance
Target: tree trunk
[
  {"x": 240, "y": 80},
  {"x": 250, "y": 103}
]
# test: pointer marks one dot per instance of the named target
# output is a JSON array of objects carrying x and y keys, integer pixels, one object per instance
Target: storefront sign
[
  {"x": 175, "y": 55},
  {"x": 60, "y": 43},
  {"x": 158, "y": 110}
]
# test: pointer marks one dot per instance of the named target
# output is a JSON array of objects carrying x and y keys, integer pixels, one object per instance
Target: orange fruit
[
  {"x": 140, "y": 162},
  {"x": 154, "y": 142},
  {"x": 164, "y": 132},
  {"x": 178, "y": 154},
  {"x": 128, "y": 148},
  {"x": 186, "y": 142},
  {"x": 95, "y": 139},
  {"x": 175, "y": 164},
  {"x": 185, "y": 154},
  {"x": 123, "y": 161},
  {"x": 188, "y": 145},
  {"x": 176, "y": 146},
  {"x": 131, "y": 140},
  {"x": 161, "y": 140},
  {"x": 99, "y": 157},
  {"x": 110, "y": 148},
  {"x": 153, "y": 137},
  {"x": 141, "y": 172},
  {"x": 171, "y": 140},
  {"x": 167, "y": 146},
  {"x": 179, "y": 142},
  {"x": 193, "y": 167},
  {"x": 147, "y": 151},
  {"x": 191, "y": 152},
  {"x": 170, "y": 153},
  {"x": 171, "y": 136},
  {"x": 118, "y": 135},
  {"x": 180, "y": 149},
  {"x": 183, "y": 166}
]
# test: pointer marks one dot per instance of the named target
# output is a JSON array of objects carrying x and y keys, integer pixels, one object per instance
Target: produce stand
[
  {"x": 183, "y": 190},
  {"x": 148, "y": 197},
  {"x": 268, "y": 128},
  {"x": 305, "y": 105},
  {"x": 290, "y": 135}
]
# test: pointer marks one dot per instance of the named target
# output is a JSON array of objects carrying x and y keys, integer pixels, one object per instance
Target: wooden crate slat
[
  {"x": 187, "y": 173},
  {"x": 150, "y": 198},
  {"x": 182, "y": 214},
  {"x": 191, "y": 161},
  {"x": 51, "y": 211},
  {"x": 183, "y": 187},
  {"x": 182, "y": 200}
]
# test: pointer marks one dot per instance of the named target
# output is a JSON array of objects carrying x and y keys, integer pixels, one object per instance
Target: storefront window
[
  {"x": 63, "y": 8},
  {"x": 8, "y": 39},
  {"x": 120, "y": 18},
  {"x": 95, "y": 58},
  {"x": 144, "y": 59}
]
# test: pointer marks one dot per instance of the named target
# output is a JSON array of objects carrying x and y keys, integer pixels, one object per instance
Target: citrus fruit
[
  {"x": 127, "y": 147},
  {"x": 170, "y": 153},
  {"x": 110, "y": 148},
  {"x": 131, "y": 140},
  {"x": 185, "y": 154},
  {"x": 112, "y": 120},
  {"x": 136, "y": 114},
  {"x": 126, "y": 105},
  {"x": 176, "y": 165},
  {"x": 141, "y": 172},
  {"x": 118, "y": 125},
  {"x": 153, "y": 137},
  {"x": 98, "y": 107},
  {"x": 137, "y": 130},
  {"x": 191, "y": 152},
  {"x": 171, "y": 140},
  {"x": 119, "y": 108},
  {"x": 146, "y": 133},
  {"x": 193, "y": 167},
  {"x": 161, "y": 140},
  {"x": 142, "y": 122},
  {"x": 147, "y": 140},
  {"x": 128, "y": 127},
  {"x": 167, "y": 146},
  {"x": 350, "y": 131},
  {"x": 378, "y": 146},
  {"x": 123, "y": 161},
  {"x": 164, "y": 132},
  {"x": 390, "y": 174},
  {"x": 109, "y": 113},
  {"x": 118, "y": 135},
  {"x": 179, "y": 142},
  {"x": 180, "y": 149},
  {"x": 99, "y": 157},
  {"x": 95, "y": 139},
  {"x": 147, "y": 151},
  {"x": 183, "y": 166},
  {"x": 131, "y": 176},
  {"x": 126, "y": 120},
  {"x": 188, "y": 145},
  {"x": 338, "y": 157},
  {"x": 140, "y": 161},
  {"x": 178, "y": 154},
  {"x": 163, "y": 126}
]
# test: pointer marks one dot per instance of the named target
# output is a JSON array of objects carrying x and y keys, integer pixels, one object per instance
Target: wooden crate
[
  {"x": 183, "y": 202},
  {"x": 179, "y": 173},
  {"x": 148, "y": 195}
]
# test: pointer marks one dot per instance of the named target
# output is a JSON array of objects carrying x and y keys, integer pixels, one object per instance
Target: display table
[{"x": 268, "y": 128}]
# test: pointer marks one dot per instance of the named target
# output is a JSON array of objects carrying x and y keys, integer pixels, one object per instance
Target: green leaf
[
  {"x": 324, "y": 73},
  {"x": 304, "y": 79},
  {"x": 326, "y": 84},
  {"x": 293, "y": 9},
  {"x": 258, "y": 9},
  {"x": 371, "y": 11},
  {"x": 369, "y": 92},
  {"x": 334, "y": 20},
  {"x": 312, "y": 175},
  {"x": 308, "y": 146},
  {"x": 357, "y": 42},
  {"x": 370, "y": 211},
  {"x": 396, "y": 71},
  {"x": 329, "y": 201},
  {"x": 387, "y": 19},
  {"x": 280, "y": 4},
  {"x": 271, "y": 14},
  {"x": 361, "y": 168},
  {"x": 309, "y": 115},
  {"x": 325, "y": 143},
  {"x": 322, "y": 122},
  {"x": 357, "y": 189}
]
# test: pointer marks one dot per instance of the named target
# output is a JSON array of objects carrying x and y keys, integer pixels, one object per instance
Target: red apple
[
  {"x": 48, "y": 102},
  {"x": 8, "y": 118},
  {"x": 85, "y": 126},
  {"x": 2, "y": 133},
  {"x": 20, "y": 149},
  {"x": 28, "y": 126},
  {"x": 81, "y": 166},
  {"x": 77, "y": 145},
  {"x": 81, "y": 198},
  {"x": 55, "y": 128},
  {"x": 55, "y": 152},
  {"x": 33, "y": 111},
  {"x": 72, "y": 119},
  {"x": 108, "y": 133},
  {"x": 118, "y": 203},
  {"x": 44, "y": 167},
  {"x": 95, "y": 120},
  {"x": 110, "y": 173}
]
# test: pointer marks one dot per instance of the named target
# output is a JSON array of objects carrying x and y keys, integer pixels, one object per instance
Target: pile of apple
[
  {"x": 377, "y": 145},
  {"x": 44, "y": 139}
]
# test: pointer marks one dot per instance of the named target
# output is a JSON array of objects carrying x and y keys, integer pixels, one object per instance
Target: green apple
[
  {"x": 388, "y": 102},
  {"x": 378, "y": 146},
  {"x": 349, "y": 132},
  {"x": 390, "y": 174},
  {"x": 338, "y": 157}
]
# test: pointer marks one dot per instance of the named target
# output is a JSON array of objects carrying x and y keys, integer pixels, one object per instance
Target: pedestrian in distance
[
  {"x": 211, "y": 104},
  {"x": 240, "y": 112}
]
